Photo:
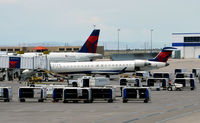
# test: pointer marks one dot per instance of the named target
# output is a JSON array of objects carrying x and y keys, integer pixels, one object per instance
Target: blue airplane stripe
[{"x": 95, "y": 33}]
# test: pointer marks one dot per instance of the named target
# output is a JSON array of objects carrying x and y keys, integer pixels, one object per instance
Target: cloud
[{"x": 89, "y": 20}]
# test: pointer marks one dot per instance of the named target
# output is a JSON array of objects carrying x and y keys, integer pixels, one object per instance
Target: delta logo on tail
[
  {"x": 14, "y": 62},
  {"x": 90, "y": 45},
  {"x": 164, "y": 55}
]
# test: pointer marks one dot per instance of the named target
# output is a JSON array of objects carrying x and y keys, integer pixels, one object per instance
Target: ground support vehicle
[
  {"x": 157, "y": 83},
  {"x": 143, "y": 75},
  {"x": 136, "y": 94},
  {"x": 179, "y": 70},
  {"x": 188, "y": 83},
  {"x": 184, "y": 75},
  {"x": 133, "y": 82},
  {"x": 38, "y": 93},
  {"x": 175, "y": 86},
  {"x": 76, "y": 94},
  {"x": 89, "y": 81},
  {"x": 57, "y": 93},
  {"x": 6, "y": 94},
  {"x": 161, "y": 75},
  {"x": 196, "y": 72},
  {"x": 103, "y": 93},
  {"x": 136, "y": 82}
]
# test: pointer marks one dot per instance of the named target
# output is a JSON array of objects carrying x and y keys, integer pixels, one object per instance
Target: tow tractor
[{"x": 175, "y": 86}]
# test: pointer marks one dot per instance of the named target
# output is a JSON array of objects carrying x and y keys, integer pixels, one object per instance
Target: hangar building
[{"x": 188, "y": 45}]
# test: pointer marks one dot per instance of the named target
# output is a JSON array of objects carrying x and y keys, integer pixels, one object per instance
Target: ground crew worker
[{"x": 170, "y": 83}]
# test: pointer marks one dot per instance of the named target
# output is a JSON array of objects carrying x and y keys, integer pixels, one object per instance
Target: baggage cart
[
  {"x": 38, "y": 93},
  {"x": 6, "y": 94},
  {"x": 76, "y": 94},
  {"x": 103, "y": 93},
  {"x": 157, "y": 83},
  {"x": 57, "y": 93},
  {"x": 188, "y": 83},
  {"x": 136, "y": 94}
]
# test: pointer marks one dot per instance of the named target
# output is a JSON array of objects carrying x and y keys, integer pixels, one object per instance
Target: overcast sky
[{"x": 71, "y": 21}]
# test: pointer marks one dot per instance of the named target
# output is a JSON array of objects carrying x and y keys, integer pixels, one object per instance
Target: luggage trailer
[
  {"x": 38, "y": 93},
  {"x": 57, "y": 93},
  {"x": 157, "y": 83},
  {"x": 133, "y": 82},
  {"x": 6, "y": 94},
  {"x": 136, "y": 82},
  {"x": 136, "y": 94},
  {"x": 103, "y": 94},
  {"x": 188, "y": 83},
  {"x": 185, "y": 75},
  {"x": 76, "y": 94}
]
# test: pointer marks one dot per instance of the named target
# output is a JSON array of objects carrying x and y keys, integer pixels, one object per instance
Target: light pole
[
  {"x": 151, "y": 39},
  {"x": 118, "y": 38}
]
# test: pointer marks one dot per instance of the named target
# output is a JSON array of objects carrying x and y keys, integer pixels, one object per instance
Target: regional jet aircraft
[
  {"x": 113, "y": 67},
  {"x": 86, "y": 53}
]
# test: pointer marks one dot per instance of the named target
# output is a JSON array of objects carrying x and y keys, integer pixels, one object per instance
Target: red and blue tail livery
[
  {"x": 90, "y": 45},
  {"x": 14, "y": 62},
  {"x": 164, "y": 55}
]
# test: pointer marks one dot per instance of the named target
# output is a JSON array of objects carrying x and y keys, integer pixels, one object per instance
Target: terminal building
[
  {"x": 100, "y": 49},
  {"x": 188, "y": 45}
]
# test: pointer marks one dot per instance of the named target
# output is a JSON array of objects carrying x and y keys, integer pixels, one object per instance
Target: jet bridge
[
  {"x": 24, "y": 62},
  {"x": 12, "y": 64}
]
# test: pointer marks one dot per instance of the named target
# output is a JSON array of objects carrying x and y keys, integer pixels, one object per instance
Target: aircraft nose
[{"x": 167, "y": 64}]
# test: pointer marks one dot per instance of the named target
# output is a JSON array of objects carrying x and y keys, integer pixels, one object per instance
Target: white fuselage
[
  {"x": 64, "y": 56},
  {"x": 104, "y": 67}
]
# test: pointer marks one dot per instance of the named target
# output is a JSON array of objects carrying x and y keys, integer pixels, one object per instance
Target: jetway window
[
  {"x": 191, "y": 39},
  {"x": 61, "y": 49},
  {"x": 3, "y": 49}
]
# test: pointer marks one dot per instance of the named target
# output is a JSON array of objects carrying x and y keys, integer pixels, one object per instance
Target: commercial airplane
[
  {"x": 113, "y": 67},
  {"x": 86, "y": 53}
]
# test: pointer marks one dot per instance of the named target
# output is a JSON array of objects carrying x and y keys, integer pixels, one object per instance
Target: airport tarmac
[{"x": 165, "y": 107}]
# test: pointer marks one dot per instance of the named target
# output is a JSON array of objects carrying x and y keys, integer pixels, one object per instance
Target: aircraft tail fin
[
  {"x": 90, "y": 45},
  {"x": 164, "y": 55}
]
